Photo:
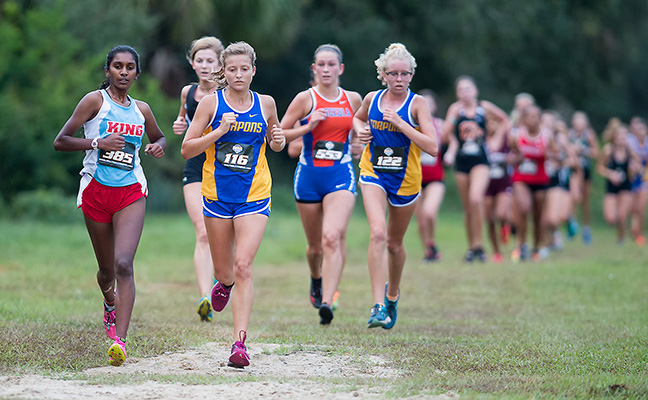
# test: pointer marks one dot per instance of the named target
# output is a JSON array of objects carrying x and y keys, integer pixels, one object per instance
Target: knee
[
  {"x": 331, "y": 240},
  {"x": 201, "y": 237},
  {"x": 242, "y": 270},
  {"x": 378, "y": 235},
  {"x": 394, "y": 246},
  {"x": 124, "y": 268},
  {"x": 313, "y": 250},
  {"x": 610, "y": 219}
]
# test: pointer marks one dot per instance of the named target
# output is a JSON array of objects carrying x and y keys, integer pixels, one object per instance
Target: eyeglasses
[{"x": 394, "y": 74}]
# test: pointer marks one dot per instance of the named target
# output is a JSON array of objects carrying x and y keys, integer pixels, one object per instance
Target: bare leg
[
  {"x": 202, "y": 257},
  {"x": 311, "y": 215}
]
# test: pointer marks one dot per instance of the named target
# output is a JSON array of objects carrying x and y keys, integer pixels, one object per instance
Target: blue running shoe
[
  {"x": 572, "y": 228},
  {"x": 391, "y": 307},
  {"x": 587, "y": 236},
  {"x": 204, "y": 309},
  {"x": 378, "y": 317}
]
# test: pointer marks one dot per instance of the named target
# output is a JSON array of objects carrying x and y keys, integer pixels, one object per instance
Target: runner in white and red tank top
[{"x": 529, "y": 145}]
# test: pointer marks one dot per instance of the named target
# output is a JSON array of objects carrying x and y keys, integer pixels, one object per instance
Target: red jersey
[
  {"x": 531, "y": 169},
  {"x": 328, "y": 143},
  {"x": 431, "y": 167}
]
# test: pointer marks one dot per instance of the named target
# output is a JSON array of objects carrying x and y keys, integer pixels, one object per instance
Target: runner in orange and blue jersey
[{"x": 324, "y": 182}]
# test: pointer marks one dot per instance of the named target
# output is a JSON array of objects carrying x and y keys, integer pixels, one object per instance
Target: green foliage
[{"x": 45, "y": 205}]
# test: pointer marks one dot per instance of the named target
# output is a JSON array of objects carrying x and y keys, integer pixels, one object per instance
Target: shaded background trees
[{"x": 569, "y": 54}]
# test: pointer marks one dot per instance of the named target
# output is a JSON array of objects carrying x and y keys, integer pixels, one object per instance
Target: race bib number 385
[
  {"x": 122, "y": 159},
  {"x": 236, "y": 156},
  {"x": 388, "y": 159}
]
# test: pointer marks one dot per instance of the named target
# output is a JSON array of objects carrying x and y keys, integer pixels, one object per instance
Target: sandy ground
[{"x": 273, "y": 374}]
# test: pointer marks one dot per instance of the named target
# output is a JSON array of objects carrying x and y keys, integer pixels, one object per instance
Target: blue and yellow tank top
[
  {"x": 391, "y": 156},
  {"x": 236, "y": 169}
]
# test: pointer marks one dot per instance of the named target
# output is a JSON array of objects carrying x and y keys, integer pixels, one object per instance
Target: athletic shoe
[
  {"x": 506, "y": 233},
  {"x": 587, "y": 236},
  {"x": 117, "y": 353},
  {"x": 572, "y": 228},
  {"x": 378, "y": 317},
  {"x": 326, "y": 314},
  {"x": 524, "y": 252},
  {"x": 109, "y": 323},
  {"x": 205, "y": 309},
  {"x": 220, "y": 296},
  {"x": 432, "y": 254},
  {"x": 469, "y": 257},
  {"x": 497, "y": 258},
  {"x": 515, "y": 255},
  {"x": 640, "y": 241},
  {"x": 479, "y": 254},
  {"x": 535, "y": 256},
  {"x": 335, "y": 303},
  {"x": 392, "y": 309},
  {"x": 315, "y": 293},
  {"x": 544, "y": 252},
  {"x": 239, "y": 357}
]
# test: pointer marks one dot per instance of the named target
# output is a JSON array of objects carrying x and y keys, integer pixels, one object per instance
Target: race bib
[
  {"x": 528, "y": 167},
  {"x": 328, "y": 150},
  {"x": 235, "y": 156},
  {"x": 496, "y": 171},
  {"x": 388, "y": 159},
  {"x": 470, "y": 148},
  {"x": 122, "y": 159}
]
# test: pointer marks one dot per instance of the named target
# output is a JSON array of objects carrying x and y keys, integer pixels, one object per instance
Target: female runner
[
  {"x": 113, "y": 188},
  {"x": 204, "y": 55},
  {"x": 396, "y": 125},
  {"x": 324, "y": 183},
  {"x": 233, "y": 127},
  {"x": 467, "y": 118},
  {"x": 433, "y": 188}
]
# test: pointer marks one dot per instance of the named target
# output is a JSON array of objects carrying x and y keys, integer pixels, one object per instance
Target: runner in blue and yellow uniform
[
  {"x": 233, "y": 127},
  {"x": 396, "y": 125}
]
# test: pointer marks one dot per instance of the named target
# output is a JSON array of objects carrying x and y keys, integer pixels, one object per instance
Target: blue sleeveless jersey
[
  {"x": 236, "y": 169},
  {"x": 391, "y": 156},
  {"x": 122, "y": 167}
]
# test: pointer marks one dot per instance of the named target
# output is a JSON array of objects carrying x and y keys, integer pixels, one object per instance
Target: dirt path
[{"x": 273, "y": 374}]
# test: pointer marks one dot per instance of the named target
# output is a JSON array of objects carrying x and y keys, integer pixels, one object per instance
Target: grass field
[{"x": 573, "y": 326}]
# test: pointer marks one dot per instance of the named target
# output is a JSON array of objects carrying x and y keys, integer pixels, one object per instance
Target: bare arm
[
  {"x": 503, "y": 124},
  {"x": 87, "y": 109},
  {"x": 297, "y": 110},
  {"x": 447, "y": 136},
  {"x": 360, "y": 119},
  {"x": 158, "y": 142},
  {"x": 194, "y": 142},
  {"x": 180, "y": 124},
  {"x": 426, "y": 138},
  {"x": 275, "y": 136}
]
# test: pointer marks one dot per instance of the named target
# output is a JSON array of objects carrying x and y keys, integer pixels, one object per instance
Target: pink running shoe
[
  {"x": 220, "y": 296},
  {"x": 239, "y": 357},
  {"x": 117, "y": 353},
  {"x": 109, "y": 324}
]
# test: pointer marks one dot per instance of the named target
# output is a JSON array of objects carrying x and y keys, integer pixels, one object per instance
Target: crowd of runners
[{"x": 526, "y": 176}]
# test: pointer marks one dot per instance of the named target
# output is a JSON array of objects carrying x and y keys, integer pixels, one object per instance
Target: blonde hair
[
  {"x": 395, "y": 51},
  {"x": 234, "y": 49},
  {"x": 611, "y": 129},
  {"x": 205, "y": 43}
]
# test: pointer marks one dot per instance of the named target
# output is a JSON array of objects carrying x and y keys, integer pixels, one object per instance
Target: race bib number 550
[{"x": 236, "y": 156}]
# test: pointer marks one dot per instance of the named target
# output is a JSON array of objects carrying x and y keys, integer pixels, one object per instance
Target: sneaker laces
[{"x": 241, "y": 341}]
